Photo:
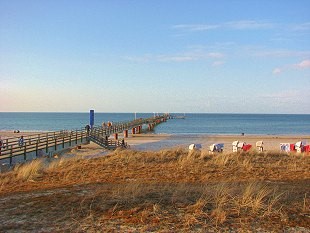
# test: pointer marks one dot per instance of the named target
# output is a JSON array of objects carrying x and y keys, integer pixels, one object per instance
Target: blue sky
[{"x": 241, "y": 56}]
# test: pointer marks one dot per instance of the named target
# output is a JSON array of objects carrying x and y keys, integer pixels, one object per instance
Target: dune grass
[
  {"x": 29, "y": 170},
  {"x": 166, "y": 191}
]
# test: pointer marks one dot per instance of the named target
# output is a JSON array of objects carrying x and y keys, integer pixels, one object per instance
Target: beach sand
[
  {"x": 156, "y": 142},
  {"x": 153, "y": 142},
  {"x": 11, "y": 134}
]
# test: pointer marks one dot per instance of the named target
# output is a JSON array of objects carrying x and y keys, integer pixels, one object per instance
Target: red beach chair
[
  {"x": 246, "y": 147},
  {"x": 292, "y": 147},
  {"x": 307, "y": 149}
]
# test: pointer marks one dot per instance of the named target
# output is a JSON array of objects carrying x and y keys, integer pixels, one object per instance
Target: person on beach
[{"x": 21, "y": 141}]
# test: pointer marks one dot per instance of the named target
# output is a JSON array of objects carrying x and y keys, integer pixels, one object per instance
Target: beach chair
[
  {"x": 218, "y": 147},
  {"x": 194, "y": 150},
  {"x": 246, "y": 147},
  {"x": 285, "y": 147},
  {"x": 299, "y": 146},
  {"x": 260, "y": 146},
  {"x": 240, "y": 146},
  {"x": 235, "y": 146},
  {"x": 193, "y": 147},
  {"x": 292, "y": 147},
  {"x": 307, "y": 149}
]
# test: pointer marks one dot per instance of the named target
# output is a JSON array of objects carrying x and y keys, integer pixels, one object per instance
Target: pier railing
[
  {"x": 37, "y": 145},
  {"x": 47, "y": 143},
  {"x": 99, "y": 134}
]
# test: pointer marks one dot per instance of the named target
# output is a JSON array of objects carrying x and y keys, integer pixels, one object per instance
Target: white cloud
[
  {"x": 218, "y": 63},
  {"x": 144, "y": 58},
  {"x": 181, "y": 57},
  {"x": 234, "y": 25},
  {"x": 304, "y": 64},
  {"x": 215, "y": 55},
  {"x": 196, "y": 27},
  {"x": 248, "y": 25},
  {"x": 277, "y": 71}
]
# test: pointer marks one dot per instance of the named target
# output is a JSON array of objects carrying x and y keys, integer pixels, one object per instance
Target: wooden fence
[{"x": 36, "y": 145}]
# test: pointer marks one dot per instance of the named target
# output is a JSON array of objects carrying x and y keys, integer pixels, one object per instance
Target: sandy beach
[
  {"x": 11, "y": 134},
  {"x": 155, "y": 142}
]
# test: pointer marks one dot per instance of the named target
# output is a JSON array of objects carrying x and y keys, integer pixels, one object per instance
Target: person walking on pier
[{"x": 87, "y": 127}]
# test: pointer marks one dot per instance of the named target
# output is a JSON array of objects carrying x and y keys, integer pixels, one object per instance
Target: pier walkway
[{"x": 46, "y": 144}]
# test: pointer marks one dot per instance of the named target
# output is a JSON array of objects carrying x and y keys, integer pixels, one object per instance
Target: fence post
[
  {"x": 11, "y": 155},
  {"x": 76, "y": 137},
  {"x": 46, "y": 149},
  {"x": 37, "y": 146},
  {"x": 25, "y": 152}
]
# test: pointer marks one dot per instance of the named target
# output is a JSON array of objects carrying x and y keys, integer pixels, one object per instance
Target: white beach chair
[
  {"x": 194, "y": 147},
  {"x": 235, "y": 146},
  {"x": 260, "y": 146},
  {"x": 194, "y": 150},
  {"x": 218, "y": 147},
  {"x": 299, "y": 146}
]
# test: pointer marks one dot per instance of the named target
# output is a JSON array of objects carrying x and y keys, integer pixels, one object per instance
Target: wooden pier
[{"x": 46, "y": 144}]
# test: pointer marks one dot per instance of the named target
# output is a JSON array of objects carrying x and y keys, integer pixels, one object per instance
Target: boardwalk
[{"x": 46, "y": 144}]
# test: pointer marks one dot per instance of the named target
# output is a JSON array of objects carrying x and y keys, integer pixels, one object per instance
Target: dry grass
[
  {"x": 165, "y": 191},
  {"x": 30, "y": 170}
]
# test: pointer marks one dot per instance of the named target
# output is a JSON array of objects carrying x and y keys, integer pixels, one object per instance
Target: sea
[{"x": 184, "y": 124}]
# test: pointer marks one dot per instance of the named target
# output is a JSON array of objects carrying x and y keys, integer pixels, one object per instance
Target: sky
[{"x": 200, "y": 56}]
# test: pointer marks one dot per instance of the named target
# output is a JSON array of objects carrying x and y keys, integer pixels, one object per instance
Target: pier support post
[
  {"x": 116, "y": 136},
  {"x": 133, "y": 130},
  {"x": 126, "y": 133},
  {"x": 139, "y": 129}
]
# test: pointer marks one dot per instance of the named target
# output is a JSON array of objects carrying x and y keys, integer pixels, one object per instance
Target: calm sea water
[{"x": 267, "y": 124}]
